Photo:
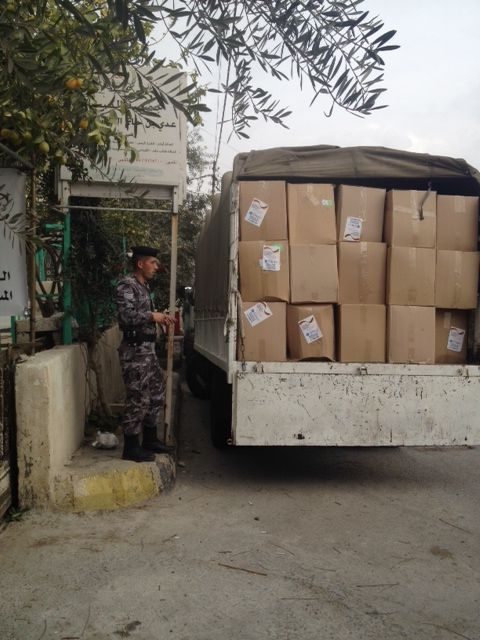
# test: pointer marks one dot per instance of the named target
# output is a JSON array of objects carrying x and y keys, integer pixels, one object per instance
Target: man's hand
[{"x": 162, "y": 318}]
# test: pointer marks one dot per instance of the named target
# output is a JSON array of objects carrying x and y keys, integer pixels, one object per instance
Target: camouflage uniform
[{"x": 143, "y": 377}]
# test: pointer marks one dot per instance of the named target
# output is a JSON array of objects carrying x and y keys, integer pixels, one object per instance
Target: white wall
[{"x": 54, "y": 396}]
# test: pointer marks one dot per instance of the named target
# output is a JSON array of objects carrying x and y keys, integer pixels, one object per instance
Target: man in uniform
[{"x": 145, "y": 389}]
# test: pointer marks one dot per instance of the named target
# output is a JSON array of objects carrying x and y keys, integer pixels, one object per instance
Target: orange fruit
[{"x": 72, "y": 83}]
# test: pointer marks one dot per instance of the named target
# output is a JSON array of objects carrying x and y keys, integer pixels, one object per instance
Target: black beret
[{"x": 145, "y": 251}]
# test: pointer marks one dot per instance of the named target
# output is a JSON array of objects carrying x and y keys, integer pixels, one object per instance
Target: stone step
[{"x": 98, "y": 479}]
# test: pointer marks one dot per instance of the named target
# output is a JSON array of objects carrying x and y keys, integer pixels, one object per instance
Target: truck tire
[
  {"x": 220, "y": 410},
  {"x": 198, "y": 376}
]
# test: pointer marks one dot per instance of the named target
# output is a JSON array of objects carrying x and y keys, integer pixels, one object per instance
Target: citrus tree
[{"x": 56, "y": 59}]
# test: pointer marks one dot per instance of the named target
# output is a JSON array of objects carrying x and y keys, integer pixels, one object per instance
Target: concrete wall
[
  {"x": 54, "y": 396},
  {"x": 52, "y": 403},
  {"x": 110, "y": 368}
]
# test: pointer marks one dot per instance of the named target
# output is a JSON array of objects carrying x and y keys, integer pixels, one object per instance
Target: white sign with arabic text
[
  {"x": 162, "y": 150},
  {"x": 13, "y": 263}
]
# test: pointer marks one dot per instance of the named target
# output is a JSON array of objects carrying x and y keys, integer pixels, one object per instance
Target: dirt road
[{"x": 260, "y": 543}]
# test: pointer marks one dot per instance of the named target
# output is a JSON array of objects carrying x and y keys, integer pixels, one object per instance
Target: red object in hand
[{"x": 177, "y": 331}]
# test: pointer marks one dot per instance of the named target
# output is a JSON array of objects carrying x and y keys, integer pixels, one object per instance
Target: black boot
[
  {"x": 152, "y": 443},
  {"x": 133, "y": 451}
]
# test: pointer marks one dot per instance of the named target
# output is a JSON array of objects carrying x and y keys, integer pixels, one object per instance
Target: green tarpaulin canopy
[{"x": 367, "y": 166}]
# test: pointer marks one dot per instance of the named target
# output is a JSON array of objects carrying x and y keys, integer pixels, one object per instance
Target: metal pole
[
  {"x": 13, "y": 329},
  {"x": 59, "y": 207},
  {"x": 40, "y": 257},
  {"x": 173, "y": 296},
  {"x": 67, "y": 285},
  {"x": 33, "y": 262},
  {"x": 124, "y": 254}
]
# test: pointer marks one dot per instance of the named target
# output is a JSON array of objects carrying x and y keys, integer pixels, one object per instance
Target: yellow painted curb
[{"x": 115, "y": 489}]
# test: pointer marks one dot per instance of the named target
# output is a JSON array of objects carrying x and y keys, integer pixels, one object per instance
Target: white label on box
[
  {"x": 256, "y": 212},
  {"x": 353, "y": 229},
  {"x": 327, "y": 203},
  {"x": 310, "y": 329},
  {"x": 271, "y": 257},
  {"x": 258, "y": 313},
  {"x": 455, "y": 339}
]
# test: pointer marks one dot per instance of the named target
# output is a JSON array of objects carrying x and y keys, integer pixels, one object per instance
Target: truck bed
[{"x": 320, "y": 403}]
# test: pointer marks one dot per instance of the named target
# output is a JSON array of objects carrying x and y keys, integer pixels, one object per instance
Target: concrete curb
[
  {"x": 97, "y": 480},
  {"x": 112, "y": 484}
]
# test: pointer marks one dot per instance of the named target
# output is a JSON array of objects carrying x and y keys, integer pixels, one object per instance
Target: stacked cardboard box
[
  {"x": 403, "y": 300},
  {"x": 450, "y": 336},
  {"x": 263, "y": 327},
  {"x": 362, "y": 333},
  {"x": 310, "y": 332},
  {"x": 313, "y": 271},
  {"x": 263, "y": 210},
  {"x": 362, "y": 273},
  {"x": 456, "y": 275},
  {"x": 410, "y": 231},
  {"x": 313, "y": 250},
  {"x": 432, "y": 270},
  {"x": 360, "y": 214},
  {"x": 264, "y": 271}
]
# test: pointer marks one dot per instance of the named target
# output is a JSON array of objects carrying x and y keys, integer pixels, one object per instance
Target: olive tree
[{"x": 57, "y": 56}]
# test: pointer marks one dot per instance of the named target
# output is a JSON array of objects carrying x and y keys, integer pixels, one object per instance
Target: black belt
[{"x": 136, "y": 337}]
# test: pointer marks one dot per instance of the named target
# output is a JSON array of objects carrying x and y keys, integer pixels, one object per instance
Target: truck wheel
[
  {"x": 220, "y": 410},
  {"x": 198, "y": 376}
]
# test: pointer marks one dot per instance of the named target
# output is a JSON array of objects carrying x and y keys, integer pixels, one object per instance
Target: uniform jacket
[{"x": 135, "y": 306}]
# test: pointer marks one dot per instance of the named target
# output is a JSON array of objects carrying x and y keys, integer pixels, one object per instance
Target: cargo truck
[{"x": 307, "y": 403}]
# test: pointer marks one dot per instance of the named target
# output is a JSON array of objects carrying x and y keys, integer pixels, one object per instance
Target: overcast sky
[{"x": 433, "y": 91}]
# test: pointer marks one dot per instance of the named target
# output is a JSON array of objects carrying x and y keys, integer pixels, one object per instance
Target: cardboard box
[
  {"x": 360, "y": 212},
  {"x": 362, "y": 270},
  {"x": 263, "y": 210},
  {"x": 313, "y": 273},
  {"x": 310, "y": 332},
  {"x": 411, "y": 276},
  {"x": 451, "y": 336},
  {"x": 457, "y": 223},
  {"x": 264, "y": 330},
  {"x": 457, "y": 279},
  {"x": 411, "y": 335},
  {"x": 411, "y": 219},
  {"x": 311, "y": 214},
  {"x": 264, "y": 270},
  {"x": 362, "y": 330}
]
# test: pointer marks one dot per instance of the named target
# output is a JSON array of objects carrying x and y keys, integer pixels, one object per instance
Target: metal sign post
[
  {"x": 171, "y": 330},
  {"x": 158, "y": 173},
  {"x": 67, "y": 189}
]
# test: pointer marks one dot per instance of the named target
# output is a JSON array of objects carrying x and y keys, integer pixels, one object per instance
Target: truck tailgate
[{"x": 333, "y": 404}]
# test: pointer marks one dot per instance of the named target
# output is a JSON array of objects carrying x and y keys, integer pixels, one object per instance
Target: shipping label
[
  {"x": 271, "y": 257},
  {"x": 310, "y": 329},
  {"x": 258, "y": 313},
  {"x": 256, "y": 212},
  {"x": 353, "y": 229},
  {"x": 455, "y": 339}
]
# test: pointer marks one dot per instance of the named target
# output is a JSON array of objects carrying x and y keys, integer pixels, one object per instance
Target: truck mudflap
[{"x": 333, "y": 404}]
